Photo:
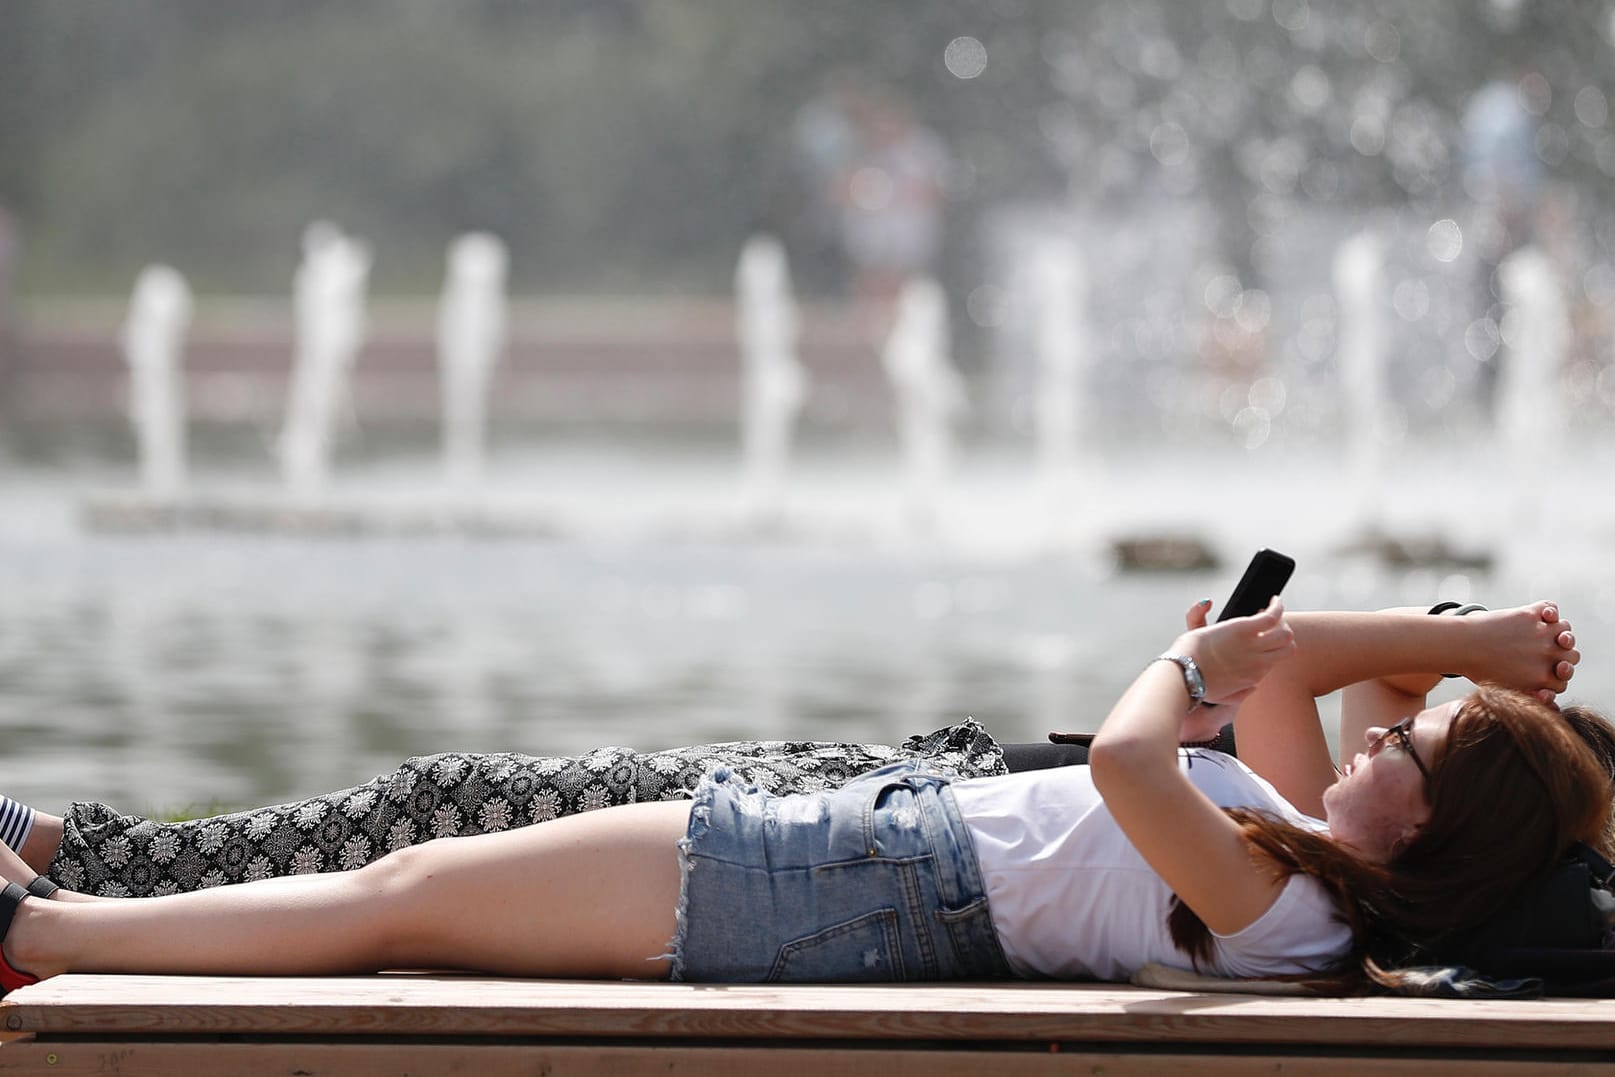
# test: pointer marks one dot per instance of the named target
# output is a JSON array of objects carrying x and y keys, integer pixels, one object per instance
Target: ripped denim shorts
[{"x": 874, "y": 881}]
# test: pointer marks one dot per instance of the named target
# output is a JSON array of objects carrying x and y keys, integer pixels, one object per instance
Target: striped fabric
[{"x": 16, "y": 822}]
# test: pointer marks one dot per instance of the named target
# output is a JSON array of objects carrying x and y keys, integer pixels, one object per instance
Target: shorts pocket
[
  {"x": 863, "y": 950},
  {"x": 852, "y": 831},
  {"x": 974, "y": 939}
]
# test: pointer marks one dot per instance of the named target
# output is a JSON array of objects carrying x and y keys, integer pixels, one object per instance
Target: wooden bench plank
[
  {"x": 410, "y": 1005},
  {"x": 501, "y": 1060}
]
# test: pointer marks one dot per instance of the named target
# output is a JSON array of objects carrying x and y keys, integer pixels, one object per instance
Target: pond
[{"x": 183, "y": 669}]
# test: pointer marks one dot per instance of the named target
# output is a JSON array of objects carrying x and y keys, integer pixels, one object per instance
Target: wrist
[
  {"x": 1194, "y": 682},
  {"x": 1455, "y": 609}
]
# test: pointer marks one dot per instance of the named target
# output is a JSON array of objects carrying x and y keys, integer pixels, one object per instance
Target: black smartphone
[{"x": 1264, "y": 577}]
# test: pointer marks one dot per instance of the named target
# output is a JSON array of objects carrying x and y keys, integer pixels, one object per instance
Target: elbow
[{"x": 1113, "y": 760}]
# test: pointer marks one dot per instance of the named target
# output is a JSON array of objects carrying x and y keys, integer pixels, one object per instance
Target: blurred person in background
[
  {"x": 889, "y": 193},
  {"x": 1505, "y": 178}
]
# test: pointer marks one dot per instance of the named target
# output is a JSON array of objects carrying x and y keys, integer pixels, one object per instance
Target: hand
[
  {"x": 1528, "y": 648},
  {"x": 1234, "y": 655}
]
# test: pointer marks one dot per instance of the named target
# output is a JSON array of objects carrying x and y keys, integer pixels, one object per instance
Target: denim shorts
[{"x": 873, "y": 882}]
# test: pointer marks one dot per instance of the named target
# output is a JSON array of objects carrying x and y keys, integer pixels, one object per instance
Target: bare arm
[
  {"x": 1387, "y": 661},
  {"x": 1194, "y": 846}
]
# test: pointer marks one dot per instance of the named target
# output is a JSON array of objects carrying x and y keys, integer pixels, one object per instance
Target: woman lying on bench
[
  {"x": 1150, "y": 855},
  {"x": 98, "y": 850}
]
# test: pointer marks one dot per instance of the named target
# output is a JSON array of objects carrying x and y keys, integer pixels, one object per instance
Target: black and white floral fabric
[{"x": 108, "y": 853}]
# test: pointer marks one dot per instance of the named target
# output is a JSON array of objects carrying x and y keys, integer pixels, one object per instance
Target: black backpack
[{"x": 1560, "y": 931}]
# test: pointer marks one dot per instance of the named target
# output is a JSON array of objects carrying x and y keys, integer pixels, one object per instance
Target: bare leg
[
  {"x": 14, "y": 868},
  {"x": 592, "y": 895},
  {"x": 109, "y": 853},
  {"x": 44, "y": 840}
]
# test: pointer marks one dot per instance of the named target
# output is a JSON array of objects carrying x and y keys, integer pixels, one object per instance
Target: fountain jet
[
  {"x": 1059, "y": 300},
  {"x": 329, "y": 301},
  {"x": 154, "y": 347},
  {"x": 471, "y": 334},
  {"x": 1531, "y": 414},
  {"x": 930, "y": 396},
  {"x": 773, "y": 384},
  {"x": 1359, "y": 272}
]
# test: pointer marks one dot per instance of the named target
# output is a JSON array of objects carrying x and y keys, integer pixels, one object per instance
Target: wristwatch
[{"x": 1192, "y": 680}]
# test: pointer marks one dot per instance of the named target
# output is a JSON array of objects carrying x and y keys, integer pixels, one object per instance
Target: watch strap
[{"x": 1192, "y": 678}]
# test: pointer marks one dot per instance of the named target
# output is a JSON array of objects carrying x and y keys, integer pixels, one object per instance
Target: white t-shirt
[{"x": 1072, "y": 899}]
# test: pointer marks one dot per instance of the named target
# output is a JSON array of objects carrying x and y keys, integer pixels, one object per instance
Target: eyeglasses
[{"x": 1403, "y": 733}]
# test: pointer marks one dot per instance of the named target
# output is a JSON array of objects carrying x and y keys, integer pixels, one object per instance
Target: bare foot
[{"x": 1527, "y": 648}]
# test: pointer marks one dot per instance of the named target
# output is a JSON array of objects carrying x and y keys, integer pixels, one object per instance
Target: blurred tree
[{"x": 632, "y": 144}]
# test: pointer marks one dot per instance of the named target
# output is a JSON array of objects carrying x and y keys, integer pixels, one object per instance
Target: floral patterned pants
[{"x": 108, "y": 853}]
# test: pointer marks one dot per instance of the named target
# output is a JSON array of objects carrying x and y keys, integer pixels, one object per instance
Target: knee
[
  {"x": 397, "y": 874},
  {"x": 396, "y": 889}
]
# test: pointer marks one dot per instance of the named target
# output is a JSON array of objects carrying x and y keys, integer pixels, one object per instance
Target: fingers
[
  {"x": 1236, "y": 654},
  {"x": 1278, "y": 639},
  {"x": 1267, "y": 633},
  {"x": 1270, "y": 615},
  {"x": 1196, "y": 617},
  {"x": 1278, "y": 649},
  {"x": 1273, "y": 632},
  {"x": 1563, "y": 666}
]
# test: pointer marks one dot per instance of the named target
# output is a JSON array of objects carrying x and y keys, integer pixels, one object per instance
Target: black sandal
[
  {"x": 10, "y": 978},
  {"x": 42, "y": 887}
]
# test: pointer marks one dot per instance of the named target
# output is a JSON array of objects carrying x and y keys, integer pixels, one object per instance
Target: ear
[{"x": 1405, "y": 838}]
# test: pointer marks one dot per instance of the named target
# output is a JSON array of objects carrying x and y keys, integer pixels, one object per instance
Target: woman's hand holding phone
[
  {"x": 1235, "y": 655},
  {"x": 1249, "y": 638}
]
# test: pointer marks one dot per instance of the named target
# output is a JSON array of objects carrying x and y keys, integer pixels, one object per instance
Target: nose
[{"x": 1374, "y": 736}]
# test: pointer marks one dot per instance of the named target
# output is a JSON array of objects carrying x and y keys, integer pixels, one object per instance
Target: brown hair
[
  {"x": 1598, "y": 735},
  {"x": 1516, "y": 783}
]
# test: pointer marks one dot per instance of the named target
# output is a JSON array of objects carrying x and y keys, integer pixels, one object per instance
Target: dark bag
[{"x": 1561, "y": 931}]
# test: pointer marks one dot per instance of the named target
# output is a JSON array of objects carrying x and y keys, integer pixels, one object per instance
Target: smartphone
[{"x": 1264, "y": 577}]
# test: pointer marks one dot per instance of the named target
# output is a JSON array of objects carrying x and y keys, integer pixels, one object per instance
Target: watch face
[{"x": 1192, "y": 678}]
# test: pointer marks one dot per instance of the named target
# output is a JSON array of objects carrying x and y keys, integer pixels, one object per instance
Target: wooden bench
[{"x": 434, "y": 1024}]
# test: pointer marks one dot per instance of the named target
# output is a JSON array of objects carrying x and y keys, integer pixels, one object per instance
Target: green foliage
[{"x": 188, "y": 812}]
